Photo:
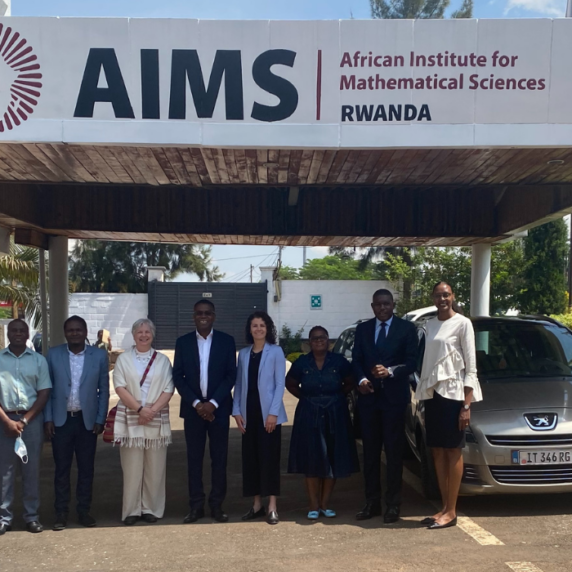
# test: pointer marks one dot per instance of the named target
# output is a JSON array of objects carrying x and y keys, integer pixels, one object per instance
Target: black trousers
[
  {"x": 383, "y": 429},
  {"x": 261, "y": 459},
  {"x": 72, "y": 437},
  {"x": 196, "y": 431}
]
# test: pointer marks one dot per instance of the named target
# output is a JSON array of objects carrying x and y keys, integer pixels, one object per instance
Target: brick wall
[
  {"x": 342, "y": 303},
  {"x": 113, "y": 312}
]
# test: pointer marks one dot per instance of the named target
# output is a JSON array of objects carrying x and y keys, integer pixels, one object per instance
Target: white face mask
[{"x": 20, "y": 449}]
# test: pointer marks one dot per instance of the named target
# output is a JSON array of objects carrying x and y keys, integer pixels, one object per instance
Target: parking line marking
[
  {"x": 523, "y": 567},
  {"x": 466, "y": 524},
  {"x": 477, "y": 532}
]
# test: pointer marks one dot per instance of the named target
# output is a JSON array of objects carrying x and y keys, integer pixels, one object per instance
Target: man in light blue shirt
[{"x": 24, "y": 391}]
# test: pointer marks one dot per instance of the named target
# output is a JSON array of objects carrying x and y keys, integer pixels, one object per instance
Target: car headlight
[{"x": 470, "y": 436}]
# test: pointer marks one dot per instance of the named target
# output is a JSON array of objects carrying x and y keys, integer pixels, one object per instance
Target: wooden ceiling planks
[
  {"x": 276, "y": 240},
  {"x": 202, "y": 167}
]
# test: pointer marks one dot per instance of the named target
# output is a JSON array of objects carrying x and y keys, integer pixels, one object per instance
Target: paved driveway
[{"x": 530, "y": 533}]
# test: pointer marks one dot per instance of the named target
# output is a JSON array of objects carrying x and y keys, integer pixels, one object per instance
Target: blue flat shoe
[
  {"x": 314, "y": 515},
  {"x": 328, "y": 513}
]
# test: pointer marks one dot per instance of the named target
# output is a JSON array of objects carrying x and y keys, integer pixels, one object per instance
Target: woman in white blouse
[
  {"x": 143, "y": 380},
  {"x": 448, "y": 386}
]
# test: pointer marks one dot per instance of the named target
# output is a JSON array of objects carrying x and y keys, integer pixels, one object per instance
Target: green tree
[
  {"x": 413, "y": 9},
  {"x": 100, "y": 266},
  {"x": 289, "y": 273},
  {"x": 19, "y": 281},
  {"x": 331, "y": 267},
  {"x": 427, "y": 266},
  {"x": 546, "y": 252}
]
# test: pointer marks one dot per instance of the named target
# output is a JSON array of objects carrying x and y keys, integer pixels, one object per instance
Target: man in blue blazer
[
  {"x": 204, "y": 373},
  {"x": 384, "y": 356},
  {"x": 75, "y": 416}
]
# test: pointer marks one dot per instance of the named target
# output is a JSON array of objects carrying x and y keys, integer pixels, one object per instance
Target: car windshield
[{"x": 522, "y": 349}]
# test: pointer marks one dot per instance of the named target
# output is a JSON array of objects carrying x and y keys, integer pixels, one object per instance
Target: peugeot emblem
[{"x": 541, "y": 421}]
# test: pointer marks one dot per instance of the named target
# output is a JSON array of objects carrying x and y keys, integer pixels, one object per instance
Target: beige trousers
[{"x": 144, "y": 481}]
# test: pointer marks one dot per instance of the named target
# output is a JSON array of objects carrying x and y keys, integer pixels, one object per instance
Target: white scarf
[{"x": 127, "y": 431}]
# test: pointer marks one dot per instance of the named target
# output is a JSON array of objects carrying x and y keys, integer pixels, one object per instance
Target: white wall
[
  {"x": 343, "y": 302},
  {"x": 113, "y": 312}
]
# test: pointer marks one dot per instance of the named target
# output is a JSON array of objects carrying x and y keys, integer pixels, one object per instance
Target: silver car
[{"x": 520, "y": 437}]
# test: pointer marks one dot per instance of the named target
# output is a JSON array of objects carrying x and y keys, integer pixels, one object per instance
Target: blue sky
[
  {"x": 261, "y": 9},
  {"x": 235, "y": 260}
]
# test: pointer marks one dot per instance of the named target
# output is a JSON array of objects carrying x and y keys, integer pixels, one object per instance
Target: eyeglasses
[{"x": 319, "y": 338}]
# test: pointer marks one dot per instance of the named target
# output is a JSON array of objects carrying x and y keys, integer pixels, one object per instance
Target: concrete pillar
[
  {"x": 4, "y": 240},
  {"x": 481, "y": 280},
  {"x": 156, "y": 273},
  {"x": 58, "y": 288}
]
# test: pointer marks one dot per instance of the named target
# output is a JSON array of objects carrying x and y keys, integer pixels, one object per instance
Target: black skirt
[{"x": 442, "y": 423}]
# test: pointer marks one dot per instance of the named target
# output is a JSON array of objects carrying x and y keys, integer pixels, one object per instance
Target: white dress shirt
[
  {"x": 204, "y": 345},
  {"x": 141, "y": 360},
  {"x": 76, "y": 369},
  {"x": 450, "y": 360},
  {"x": 377, "y": 330}
]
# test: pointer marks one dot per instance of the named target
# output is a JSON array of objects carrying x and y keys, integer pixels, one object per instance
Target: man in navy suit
[
  {"x": 75, "y": 416},
  {"x": 384, "y": 356},
  {"x": 204, "y": 373}
]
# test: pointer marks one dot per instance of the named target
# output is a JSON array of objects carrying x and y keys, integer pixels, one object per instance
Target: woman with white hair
[{"x": 143, "y": 380}]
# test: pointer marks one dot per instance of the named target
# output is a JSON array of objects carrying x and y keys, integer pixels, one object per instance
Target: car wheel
[{"x": 428, "y": 476}]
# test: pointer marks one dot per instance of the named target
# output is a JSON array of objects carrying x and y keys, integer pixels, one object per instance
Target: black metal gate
[{"x": 171, "y": 308}]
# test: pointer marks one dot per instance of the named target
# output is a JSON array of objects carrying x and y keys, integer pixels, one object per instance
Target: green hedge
[
  {"x": 565, "y": 319},
  {"x": 294, "y": 356}
]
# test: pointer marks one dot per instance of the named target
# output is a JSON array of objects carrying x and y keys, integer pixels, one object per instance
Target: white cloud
[{"x": 547, "y": 7}]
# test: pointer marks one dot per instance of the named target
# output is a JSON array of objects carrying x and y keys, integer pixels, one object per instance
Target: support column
[
  {"x": 58, "y": 289},
  {"x": 481, "y": 280}
]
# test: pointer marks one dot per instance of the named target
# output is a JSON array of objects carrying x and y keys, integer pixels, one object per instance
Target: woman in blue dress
[{"x": 322, "y": 446}]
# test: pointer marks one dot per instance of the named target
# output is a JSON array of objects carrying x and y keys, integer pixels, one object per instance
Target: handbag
[{"x": 109, "y": 427}]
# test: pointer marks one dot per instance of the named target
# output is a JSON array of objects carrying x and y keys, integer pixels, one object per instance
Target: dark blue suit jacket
[
  {"x": 399, "y": 348},
  {"x": 222, "y": 372}
]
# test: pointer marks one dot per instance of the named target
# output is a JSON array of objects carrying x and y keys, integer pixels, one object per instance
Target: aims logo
[{"x": 20, "y": 85}]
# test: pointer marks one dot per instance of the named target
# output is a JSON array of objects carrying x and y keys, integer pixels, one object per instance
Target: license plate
[{"x": 538, "y": 457}]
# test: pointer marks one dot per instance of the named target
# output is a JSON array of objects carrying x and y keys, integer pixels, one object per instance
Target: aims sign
[{"x": 325, "y": 84}]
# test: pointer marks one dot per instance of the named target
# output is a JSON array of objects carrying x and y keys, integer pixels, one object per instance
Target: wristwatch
[
  {"x": 390, "y": 370},
  {"x": 24, "y": 421},
  {"x": 466, "y": 407}
]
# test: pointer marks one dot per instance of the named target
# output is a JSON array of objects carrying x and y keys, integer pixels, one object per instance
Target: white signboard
[{"x": 323, "y": 84}]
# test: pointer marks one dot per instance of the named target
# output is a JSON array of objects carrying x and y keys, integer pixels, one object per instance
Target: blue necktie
[{"x": 381, "y": 336}]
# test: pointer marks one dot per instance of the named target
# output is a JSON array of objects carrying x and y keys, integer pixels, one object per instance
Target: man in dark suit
[
  {"x": 75, "y": 416},
  {"x": 204, "y": 373},
  {"x": 384, "y": 356}
]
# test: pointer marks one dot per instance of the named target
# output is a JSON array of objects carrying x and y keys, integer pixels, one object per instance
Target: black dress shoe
[
  {"x": 272, "y": 517},
  {"x": 4, "y": 528},
  {"x": 130, "y": 520},
  {"x": 391, "y": 515},
  {"x": 427, "y": 521},
  {"x": 150, "y": 518},
  {"x": 436, "y": 526},
  {"x": 34, "y": 527},
  {"x": 194, "y": 515},
  {"x": 370, "y": 510},
  {"x": 219, "y": 515},
  {"x": 61, "y": 521},
  {"x": 252, "y": 514},
  {"x": 85, "y": 519}
]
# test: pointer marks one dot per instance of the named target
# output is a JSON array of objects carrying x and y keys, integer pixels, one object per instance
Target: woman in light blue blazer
[{"x": 259, "y": 413}]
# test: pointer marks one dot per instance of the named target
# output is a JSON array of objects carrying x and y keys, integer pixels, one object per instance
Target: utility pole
[
  {"x": 569, "y": 9},
  {"x": 251, "y": 270},
  {"x": 304, "y": 253}
]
